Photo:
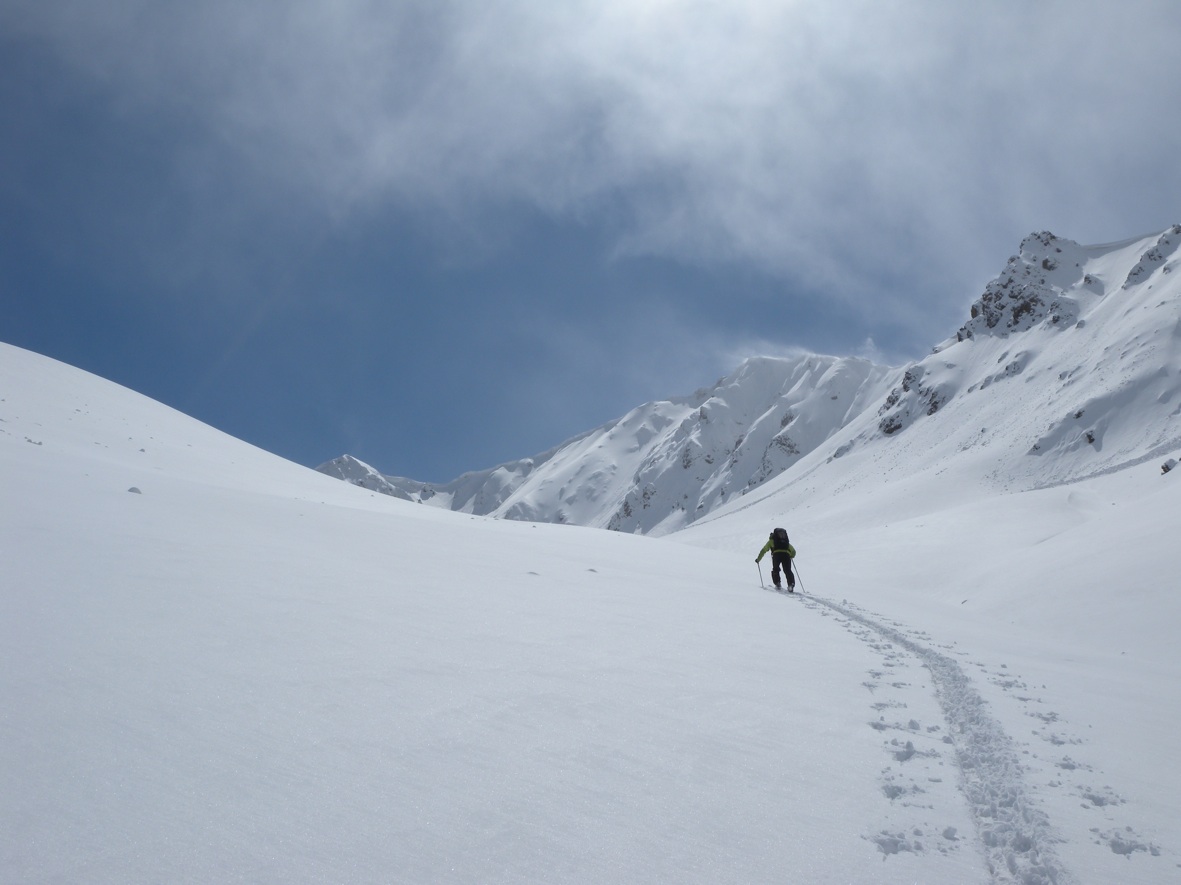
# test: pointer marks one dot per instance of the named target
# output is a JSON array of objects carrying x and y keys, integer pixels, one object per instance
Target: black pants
[{"x": 781, "y": 560}]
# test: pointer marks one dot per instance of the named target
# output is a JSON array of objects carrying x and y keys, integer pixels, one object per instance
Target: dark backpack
[{"x": 779, "y": 539}]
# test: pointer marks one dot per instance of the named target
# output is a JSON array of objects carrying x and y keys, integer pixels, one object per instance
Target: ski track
[{"x": 1015, "y": 837}]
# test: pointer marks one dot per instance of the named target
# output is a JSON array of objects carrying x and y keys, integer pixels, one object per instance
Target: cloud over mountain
[{"x": 812, "y": 138}]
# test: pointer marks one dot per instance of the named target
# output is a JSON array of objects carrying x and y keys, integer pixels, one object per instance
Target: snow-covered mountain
[
  {"x": 664, "y": 464},
  {"x": 216, "y": 665},
  {"x": 1065, "y": 368},
  {"x": 1069, "y": 367}
]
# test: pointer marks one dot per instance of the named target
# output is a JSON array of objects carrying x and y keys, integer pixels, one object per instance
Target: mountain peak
[
  {"x": 1031, "y": 290},
  {"x": 1069, "y": 366},
  {"x": 1051, "y": 281}
]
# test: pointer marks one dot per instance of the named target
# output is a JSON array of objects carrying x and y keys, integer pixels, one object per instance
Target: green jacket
[{"x": 790, "y": 551}]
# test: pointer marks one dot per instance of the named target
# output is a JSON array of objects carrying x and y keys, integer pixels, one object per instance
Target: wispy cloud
[{"x": 841, "y": 143}]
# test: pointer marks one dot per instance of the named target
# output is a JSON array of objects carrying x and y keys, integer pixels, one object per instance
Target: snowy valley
[{"x": 221, "y": 666}]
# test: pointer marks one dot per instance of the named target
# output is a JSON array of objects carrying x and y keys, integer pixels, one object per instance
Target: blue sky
[{"x": 442, "y": 235}]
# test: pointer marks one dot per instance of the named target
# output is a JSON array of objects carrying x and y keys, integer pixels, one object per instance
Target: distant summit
[
  {"x": 1069, "y": 364},
  {"x": 666, "y": 463}
]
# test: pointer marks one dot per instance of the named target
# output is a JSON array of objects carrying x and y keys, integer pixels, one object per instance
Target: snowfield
[
  {"x": 218, "y": 666},
  {"x": 248, "y": 671}
]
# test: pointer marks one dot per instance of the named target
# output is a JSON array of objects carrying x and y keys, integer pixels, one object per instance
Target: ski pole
[
  {"x": 798, "y": 576},
  {"x": 760, "y": 565}
]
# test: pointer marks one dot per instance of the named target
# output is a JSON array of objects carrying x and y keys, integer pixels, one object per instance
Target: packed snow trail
[{"x": 1015, "y": 837}]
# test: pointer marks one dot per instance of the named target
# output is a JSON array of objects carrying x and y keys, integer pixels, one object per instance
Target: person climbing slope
[{"x": 782, "y": 554}]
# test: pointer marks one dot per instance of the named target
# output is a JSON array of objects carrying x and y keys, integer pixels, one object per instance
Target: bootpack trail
[{"x": 1014, "y": 836}]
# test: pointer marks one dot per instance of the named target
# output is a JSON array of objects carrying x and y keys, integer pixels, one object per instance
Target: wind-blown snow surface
[{"x": 218, "y": 666}]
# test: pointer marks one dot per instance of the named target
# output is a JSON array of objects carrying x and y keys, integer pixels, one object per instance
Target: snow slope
[
  {"x": 1070, "y": 367},
  {"x": 250, "y": 671},
  {"x": 1044, "y": 623}
]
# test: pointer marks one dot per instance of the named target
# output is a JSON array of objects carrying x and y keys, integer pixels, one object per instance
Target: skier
[{"x": 782, "y": 554}]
